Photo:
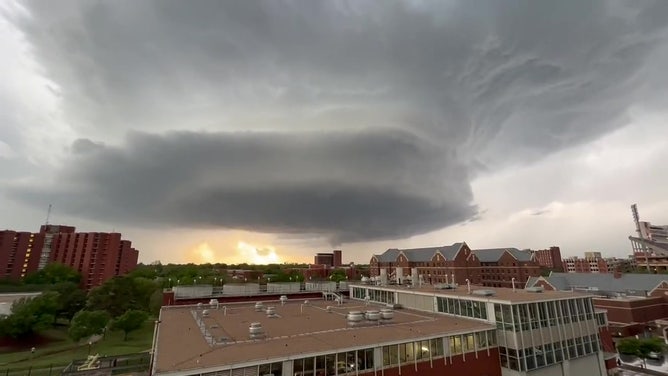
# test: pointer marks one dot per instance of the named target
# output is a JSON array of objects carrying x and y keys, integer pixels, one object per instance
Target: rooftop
[
  {"x": 607, "y": 282},
  {"x": 299, "y": 329},
  {"x": 500, "y": 294}
]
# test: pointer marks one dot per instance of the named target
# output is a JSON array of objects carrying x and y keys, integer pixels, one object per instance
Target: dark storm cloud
[
  {"x": 474, "y": 86},
  {"x": 345, "y": 185}
]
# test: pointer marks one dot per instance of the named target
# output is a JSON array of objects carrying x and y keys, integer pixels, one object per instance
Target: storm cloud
[{"x": 350, "y": 120}]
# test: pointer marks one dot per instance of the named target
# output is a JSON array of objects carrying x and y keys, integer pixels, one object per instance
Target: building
[
  {"x": 586, "y": 265},
  {"x": 456, "y": 264},
  {"x": 506, "y": 267},
  {"x": 538, "y": 332},
  {"x": 98, "y": 256},
  {"x": 593, "y": 262},
  {"x": 19, "y": 253},
  {"x": 549, "y": 258},
  {"x": 634, "y": 303},
  {"x": 326, "y": 259},
  {"x": 331, "y": 260},
  {"x": 319, "y": 337}
]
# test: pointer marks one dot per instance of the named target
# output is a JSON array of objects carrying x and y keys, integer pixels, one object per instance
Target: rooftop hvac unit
[{"x": 534, "y": 289}]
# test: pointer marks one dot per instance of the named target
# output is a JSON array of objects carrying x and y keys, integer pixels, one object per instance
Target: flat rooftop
[
  {"x": 182, "y": 344},
  {"x": 500, "y": 293}
]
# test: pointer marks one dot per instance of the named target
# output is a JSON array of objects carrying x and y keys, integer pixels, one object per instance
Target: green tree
[
  {"x": 54, "y": 273},
  {"x": 30, "y": 316},
  {"x": 114, "y": 296},
  {"x": 71, "y": 299},
  {"x": 87, "y": 323},
  {"x": 129, "y": 321},
  {"x": 642, "y": 348}
]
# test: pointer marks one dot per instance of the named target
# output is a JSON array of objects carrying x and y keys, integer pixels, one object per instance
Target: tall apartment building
[
  {"x": 98, "y": 256},
  {"x": 549, "y": 258},
  {"x": 456, "y": 264},
  {"x": 19, "y": 253}
]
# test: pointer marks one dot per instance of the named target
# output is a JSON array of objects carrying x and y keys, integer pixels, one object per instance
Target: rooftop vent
[
  {"x": 255, "y": 330},
  {"x": 373, "y": 315},
  {"x": 534, "y": 289},
  {"x": 387, "y": 314},
  {"x": 283, "y": 299},
  {"x": 205, "y": 313},
  {"x": 484, "y": 292},
  {"x": 355, "y": 317},
  {"x": 259, "y": 307},
  {"x": 271, "y": 312}
]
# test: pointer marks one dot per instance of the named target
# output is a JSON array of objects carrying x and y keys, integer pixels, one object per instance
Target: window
[{"x": 455, "y": 345}]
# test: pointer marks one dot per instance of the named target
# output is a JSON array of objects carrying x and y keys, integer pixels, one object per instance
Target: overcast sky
[{"x": 231, "y": 131}]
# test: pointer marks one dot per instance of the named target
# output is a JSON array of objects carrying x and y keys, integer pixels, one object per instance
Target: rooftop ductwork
[
  {"x": 484, "y": 292},
  {"x": 534, "y": 289}
]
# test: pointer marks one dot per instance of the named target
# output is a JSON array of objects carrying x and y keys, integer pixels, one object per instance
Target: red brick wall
[{"x": 630, "y": 311}]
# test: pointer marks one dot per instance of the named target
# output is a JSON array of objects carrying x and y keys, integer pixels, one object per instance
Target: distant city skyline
[{"x": 268, "y": 131}]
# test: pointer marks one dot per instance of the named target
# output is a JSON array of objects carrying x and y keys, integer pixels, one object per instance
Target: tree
[
  {"x": 71, "y": 299},
  {"x": 30, "y": 316},
  {"x": 87, "y": 323},
  {"x": 129, "y": 321},
  {"x": 54, "y": 273},
  {"x": 115, "y": 296},
  {"x": 642, "y": 348},
  {"x": 120, "y": 294}
]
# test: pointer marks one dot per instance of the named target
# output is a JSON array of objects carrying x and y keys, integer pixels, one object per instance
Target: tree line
[{"x": 122, "y": 303}]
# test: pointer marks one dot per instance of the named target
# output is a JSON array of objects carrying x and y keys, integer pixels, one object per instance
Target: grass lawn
[{"x": 62, "y": 350}]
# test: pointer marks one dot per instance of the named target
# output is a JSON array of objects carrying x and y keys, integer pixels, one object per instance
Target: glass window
[
  {"x": 267, "y": 369},
  {"x": 402, "y": 353},
  {"x": 455, "y": 345},
  {"x": 330, "y": 364},
  {"x": 468, "y": 342},
  {"x": 436, "y": 347},
  {"x": 390, "y": 355}
]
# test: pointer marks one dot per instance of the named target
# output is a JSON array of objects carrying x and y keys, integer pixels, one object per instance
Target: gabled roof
[
  {"x": 388, "y": 256},
  {"x": 603, "y": 281},
  {"x": 420, "y": 254},
  {"x": 494, "y": 254}
]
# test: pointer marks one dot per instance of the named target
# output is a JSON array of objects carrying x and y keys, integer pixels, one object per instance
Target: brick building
[
  {"x": 549, "y": 258},
  {"x": 19, "y": 253},
  {"x": 98, "y": 256},
  {"x": 593, "y": 262},
  {"x": 457, "y": 263},
  {"x": 332, "y": 260}
]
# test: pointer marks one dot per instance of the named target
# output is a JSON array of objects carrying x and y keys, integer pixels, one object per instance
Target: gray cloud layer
[{"x": 366, "y": 120}]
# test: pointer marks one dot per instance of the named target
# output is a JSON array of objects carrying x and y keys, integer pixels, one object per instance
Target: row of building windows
[
  {"x": 541, "y": 356},
  {"x": 349, "y": 362},
  {"x": 379, "y": 296},
  {"x": 542, "y": 314},
  {"x": 459, "y": 307}
]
